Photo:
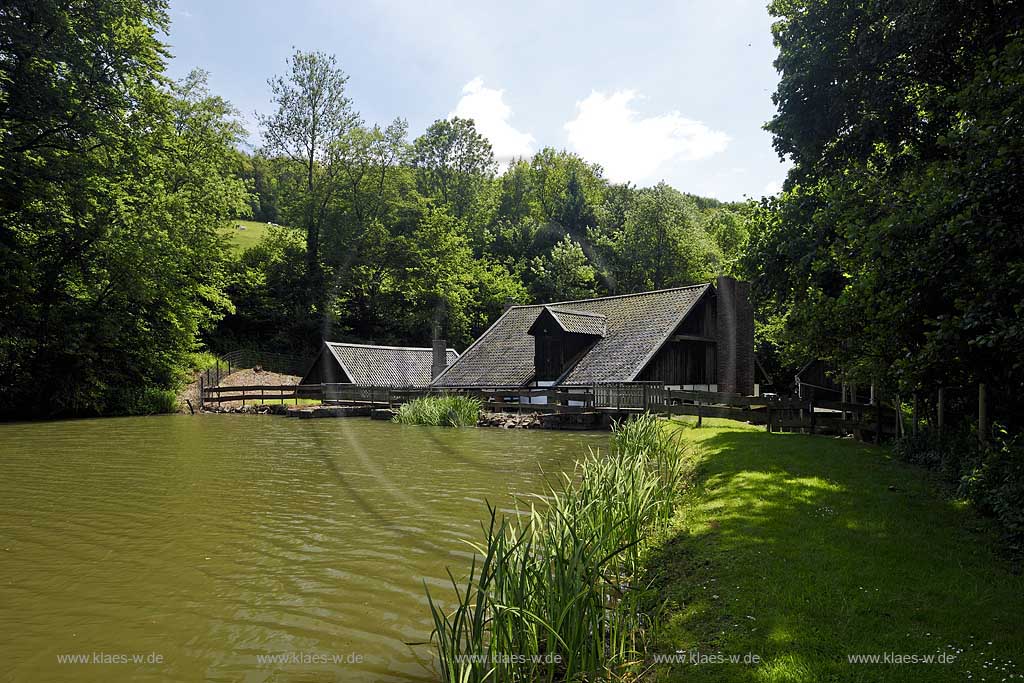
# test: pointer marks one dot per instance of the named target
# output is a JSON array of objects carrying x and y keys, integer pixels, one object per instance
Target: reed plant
[
  {"x": 552, "y": 593},
  {"x": 440, "y": 411}
]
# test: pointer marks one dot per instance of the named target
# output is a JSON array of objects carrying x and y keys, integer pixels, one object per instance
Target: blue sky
[{"x": 673, "y": 91}]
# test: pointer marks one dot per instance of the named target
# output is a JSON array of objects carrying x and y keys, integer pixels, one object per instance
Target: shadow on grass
[{"x": 804, "y": 550}]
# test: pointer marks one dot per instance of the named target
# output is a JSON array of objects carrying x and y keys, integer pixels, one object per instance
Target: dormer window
[{"x": 561, "y": 337}]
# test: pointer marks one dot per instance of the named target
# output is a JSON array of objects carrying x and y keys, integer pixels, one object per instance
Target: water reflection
[{"x": 217, "y": 541}]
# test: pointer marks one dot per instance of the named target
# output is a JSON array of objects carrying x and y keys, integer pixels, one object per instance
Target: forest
[
  {"x": 119, "y": 188},
  {"x": 894, "y": 251},
  {"x": 394, "y": 239}
]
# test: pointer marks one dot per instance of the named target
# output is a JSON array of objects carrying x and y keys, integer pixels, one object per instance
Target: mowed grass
[
  {"x": 806, "y": 549},
  {"x": 245, "y": 234}
]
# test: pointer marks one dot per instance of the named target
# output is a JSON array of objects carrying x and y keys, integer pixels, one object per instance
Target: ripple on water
[{"x": 215, "y": 540}]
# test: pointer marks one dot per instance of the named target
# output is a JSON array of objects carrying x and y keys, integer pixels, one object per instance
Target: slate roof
[
  {"x": 580, "y": 322},
  {"x": 386, "y": 366},
  {"x": 636, "y": 326}
]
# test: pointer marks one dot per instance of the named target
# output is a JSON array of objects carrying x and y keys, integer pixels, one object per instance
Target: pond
[{"x": 244, "y": 548}]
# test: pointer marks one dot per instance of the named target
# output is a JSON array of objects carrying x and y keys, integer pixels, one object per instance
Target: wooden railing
[
  {"x": 540, "y": 399},
  {"x": 777, "y": 414},
  {"x": 261, "y": 393},
  {"x": 650, "y": 396}
]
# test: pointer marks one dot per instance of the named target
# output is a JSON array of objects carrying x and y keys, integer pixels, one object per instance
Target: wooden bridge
[{"x": 616, "y": 399}]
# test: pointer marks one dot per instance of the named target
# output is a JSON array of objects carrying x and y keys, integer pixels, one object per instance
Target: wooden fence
[
  {"x": 619, "y": 398},
  {"x": 260, "y": 393},
  {"x": 494, "y": 399},
  {"x": 281, "y": 363}
]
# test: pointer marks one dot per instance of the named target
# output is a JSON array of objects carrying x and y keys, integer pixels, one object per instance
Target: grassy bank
[
  {"x": 804, "y": 550},
  {"x": 439, "y": 411},
  {"x": 553, "y": 594}
]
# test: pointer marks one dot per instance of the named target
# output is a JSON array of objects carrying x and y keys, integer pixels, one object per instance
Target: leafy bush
[
  {"x": 143, "y": 401},
  {"x": 557, "y": 587},
  {"x": 991, "y": 477},
  {"x": 995, "y": 484},
  {"x": 440, "y": 411},
  {"x": 200, "y": 360}
]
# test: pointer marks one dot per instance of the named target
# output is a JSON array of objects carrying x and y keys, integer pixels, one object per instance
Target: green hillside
[{"x": 245, "y": 234}]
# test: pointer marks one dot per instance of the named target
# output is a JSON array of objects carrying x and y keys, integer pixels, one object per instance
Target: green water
[{"x": 214, "y": 542}]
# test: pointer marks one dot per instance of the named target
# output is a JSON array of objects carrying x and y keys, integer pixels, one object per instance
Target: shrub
[
  {"x": 440, "y": 411},
  {"x": 991, "y": 477},
  {"x": 994, "y": 482},
  {"x": 553, "y": 594},
  {"x": 200, "y": 360},
  {"x": 143, "y": 401}
]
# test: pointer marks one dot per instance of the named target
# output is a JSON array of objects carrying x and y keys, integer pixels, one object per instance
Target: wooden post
[
  {"x": 899, "y": 417},
  {"x": 842, "y": 397},
  {"x": 940, "y": 410},
  {"x": 700, "y": 414},
  {"x": 768, "y": 426},
  {"x": 813, "y": 421},
  {"x": 913, "y": 424},
  {"x": 877, "y": 400},
  {"x": 982, "y": 413}
]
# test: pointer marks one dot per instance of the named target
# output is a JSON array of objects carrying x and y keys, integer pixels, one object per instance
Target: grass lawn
[
  {"x": 242, "y": 239},
  {"x": 806, "y": 549}
]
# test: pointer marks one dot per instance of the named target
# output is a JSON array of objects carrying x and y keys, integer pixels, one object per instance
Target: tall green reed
[
  {"x": 552, "y": 595},
  {"x": 440, "y": 411}
]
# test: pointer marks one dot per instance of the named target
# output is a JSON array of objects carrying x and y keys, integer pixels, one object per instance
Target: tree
[
  {"x": 729, "y": 228},
  {"x": 453, "y": 163},
  {"x": 564, "y": 274},
  {"x": 261, "y": 174},
  {"x": 662, "y": 243},
  {"x": 114, "y": 192},
  {"x": 895, "y": 249},
  {"x": 269, "y": 302},
  {"x": 516, "y": 200},
  {"x": 567, "y": 190},
  {"x": 313, "y": 116},
  {"x": 366, "y": 157}
]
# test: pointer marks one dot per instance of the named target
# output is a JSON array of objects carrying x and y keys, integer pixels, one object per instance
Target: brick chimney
[
  {"x": 439, "y": 361},
  {"x": 735, "y": 336}
]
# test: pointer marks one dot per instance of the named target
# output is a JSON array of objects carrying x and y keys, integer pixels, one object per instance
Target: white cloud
[
  {"x": 486, "y": 106},
  {"x": 771, "y": 189},
  {"x": 607, "y": 130}
]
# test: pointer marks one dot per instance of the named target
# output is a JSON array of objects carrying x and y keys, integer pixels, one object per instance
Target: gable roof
[
  {"x": 386, "y": 366},
  {"x": 635, "y": 328},
  {"x": 581, "y": 322},
  {"x": 576, "y": 322}
]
